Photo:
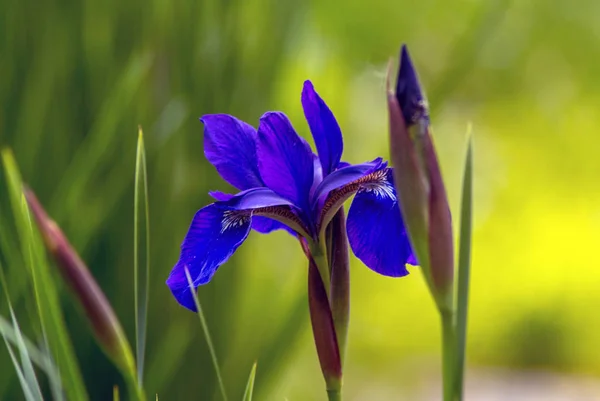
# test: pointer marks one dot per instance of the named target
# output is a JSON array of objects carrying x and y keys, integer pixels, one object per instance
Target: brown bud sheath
[
  {"x": 441, "y": 243},
  {"x": 419, "y": 182},
  {"x": 105, "y": 325},
  {"x": 410, "y": 181},
  {"x": 323, "y": 329},
  {"x": 323, "y": 326},
  {"x": 340, "y": 278}
]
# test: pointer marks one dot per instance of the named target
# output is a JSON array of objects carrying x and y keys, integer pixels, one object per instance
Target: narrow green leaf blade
[
  {"x": 211, "y": 348},
  {"x": 46, "y": 294},
  {"x": 26, "y": 364},
  {"x": 250, "y": 386},
  {"x": 141, "y": 254},
  {"x": 464, "y": 265},
  {"x": 24, "y": 384}
]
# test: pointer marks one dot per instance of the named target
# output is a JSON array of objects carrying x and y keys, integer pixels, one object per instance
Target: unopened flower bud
[
  {"x": 419, "y": 183},
  {"x": 104, "y": 322}
]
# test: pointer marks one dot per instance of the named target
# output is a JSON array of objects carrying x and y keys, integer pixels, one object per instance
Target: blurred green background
[{"x": 77, "y": 77}]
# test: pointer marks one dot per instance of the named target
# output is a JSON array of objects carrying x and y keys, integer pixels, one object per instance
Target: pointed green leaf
[
  {"x": 26, "y": 364},
  {"x": 250, "y": 386},
  {"x": 27, "y": 392},
  {"x": 464, "y": 264},
  {"x": 141, "y": 254},
  {"x": 211, "y": 348}
]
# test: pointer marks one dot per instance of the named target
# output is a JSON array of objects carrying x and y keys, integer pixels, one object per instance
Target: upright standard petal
[
  {"x": 230, "y": 145},
  {"x": 285, "y": 160},
  {"x": 324, "y": 127},
  {"x": 376, "y": 231},
  {"x": 213, "y": 236}
]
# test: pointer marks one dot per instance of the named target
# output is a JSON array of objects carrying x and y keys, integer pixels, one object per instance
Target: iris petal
[
  {"x": 230, "y": 145},
  {"x": 257, "y": 198},
  {"x": 254, "y": 198},
  {"x": 220, "y": 196},
  {"x": 345, "y": 176},
  {"x": 263, "y": 225},
  {"x": 324, "y": 127},
  {"x": 376, "y": 231},
  {"x": 212, "y": 238},
  {"x": 285, "y": 159}
]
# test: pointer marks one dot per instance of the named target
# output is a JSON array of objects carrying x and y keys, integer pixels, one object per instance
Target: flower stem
[
  {"x": 319, "y": 254},
  {"x": 334, "y": 395},
  {"x": 448, "y": 355}
]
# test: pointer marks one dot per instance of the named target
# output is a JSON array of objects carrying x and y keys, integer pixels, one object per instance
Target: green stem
[
  {"x": 319, "y": 254},
  {"x": 334, "y": 395},
  {"x": 135, "y": 391},
  {"x": 448, "y": 355}
]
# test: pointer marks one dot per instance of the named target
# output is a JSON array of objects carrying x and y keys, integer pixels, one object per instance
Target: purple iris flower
[{"x": 284, "y": 185}]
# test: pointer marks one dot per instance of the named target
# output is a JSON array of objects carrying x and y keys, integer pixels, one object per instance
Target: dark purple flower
[{"x": 285, "y": 185}]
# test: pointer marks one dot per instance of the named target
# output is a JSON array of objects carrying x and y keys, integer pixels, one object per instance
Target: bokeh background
[{"x": 77, "y": 77}]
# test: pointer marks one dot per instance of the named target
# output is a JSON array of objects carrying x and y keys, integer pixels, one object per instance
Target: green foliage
[
  {"x": 25, "y": 372},
  {"x": 464, "y": 266},
  {"x": 51, "y": 318},
  {"x": 209, "y": 343},
  {"x": 141, "y": 281},
  {"x": 250, "y": 385}
]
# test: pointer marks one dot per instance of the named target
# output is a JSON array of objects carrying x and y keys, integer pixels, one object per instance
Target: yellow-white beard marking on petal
[
  {"x": 234, "y": 218},
  {"x": 380, "y": 186}
]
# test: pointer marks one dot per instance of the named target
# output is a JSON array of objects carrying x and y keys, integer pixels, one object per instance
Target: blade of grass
[
  {"x": 36, "y": 356},
  {"x": 16, "y": 275},
  {"x": 26, "y": 364},
  {"x": 211, "y": 348},
  {"x": 141, "y": 284},
  {"x": 250, "y": 386},
  {"x": 46, "y": 295},
  {"x": 464, "y": 265},
  {"x": 24, "y": 385}
]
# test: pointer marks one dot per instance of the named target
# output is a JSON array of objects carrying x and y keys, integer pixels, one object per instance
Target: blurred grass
[{"x": 77, "y": 78}]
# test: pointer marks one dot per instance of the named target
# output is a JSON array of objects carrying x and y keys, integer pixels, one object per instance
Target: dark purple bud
[
  {"x": 408, "y": 92},
  {"x": 419, "y": 183}
]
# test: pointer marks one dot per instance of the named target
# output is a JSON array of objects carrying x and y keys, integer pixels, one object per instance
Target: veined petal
[
  {"x": 213, "y": 236},
  {"x": 344, "y": 176},
  {"x": 254, "y": 198},
  {"x": 317, "y": 175},
  {"x": 265, "y": 225},
  {"x": 263, "y": 202},
  {"x": 230, "y": 145},
  {"x": 376, "y": 231},
  {"x": 285, "y": 160},
  {"x": 324, "y": 127},
  {"x": 220, "y": 196}
]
